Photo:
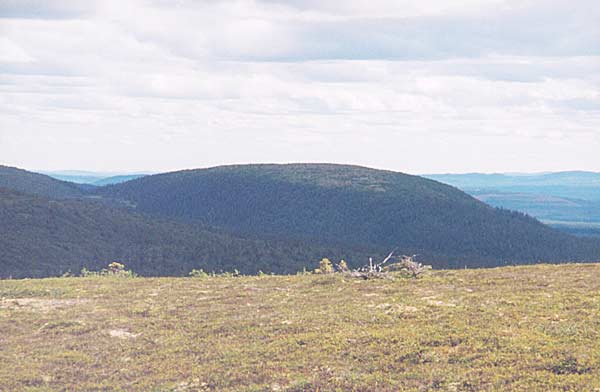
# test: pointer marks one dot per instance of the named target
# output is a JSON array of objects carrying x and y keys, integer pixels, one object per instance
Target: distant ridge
[
  {"x": 37, "y": 184},
  {"x": 117, "y": 179},
  {"x": 566, "y": 178},
  {"x": 92, "y": 178},
  {"x": 567, "y": 200}
]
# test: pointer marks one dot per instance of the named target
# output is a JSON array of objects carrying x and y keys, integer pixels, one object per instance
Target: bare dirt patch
[
  {"x": 122, "y": 334},
  {"x": 39, "y": 304},
  {"x": 435, "y": 302}
]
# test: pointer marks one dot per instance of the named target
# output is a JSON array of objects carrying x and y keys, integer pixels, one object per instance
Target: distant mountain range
[
  {"x": 93, "y": 178},
  {"x": 569, "y": 201},
  {"x": 573, "y": 184},
  {"x": 274, "y": 218}
]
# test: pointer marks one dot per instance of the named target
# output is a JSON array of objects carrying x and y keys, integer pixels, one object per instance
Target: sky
[{"x": 414, "y": 86}]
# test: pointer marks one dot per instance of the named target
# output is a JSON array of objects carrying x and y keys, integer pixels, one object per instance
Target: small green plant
[
  {"x": 325, "y": 267},
  {"x": 198, "y": 273},
  {"x": 85, "y": 272},
  {"x": 343, "y": 266},
  {"x": 303, "y": 272},
  {"x": 118, "y": 269},
  {"x": 114, "y": 269}
]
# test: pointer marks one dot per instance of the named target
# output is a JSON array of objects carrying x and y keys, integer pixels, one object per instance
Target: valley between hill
[{"x": 513, "y": 328}]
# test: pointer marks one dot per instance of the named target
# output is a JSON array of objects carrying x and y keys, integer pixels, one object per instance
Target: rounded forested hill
[
  {"x": 37, "y": 184},
  {"x": 354, "y": 206}
]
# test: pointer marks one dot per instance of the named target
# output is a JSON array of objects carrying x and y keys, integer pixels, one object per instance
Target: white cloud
[
  {"x": 12, "y": 53},
  {"x": 44, "y": 9},
  {"x": 415, "y": 86}
]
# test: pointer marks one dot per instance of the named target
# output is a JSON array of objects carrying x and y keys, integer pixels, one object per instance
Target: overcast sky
[{"x": 418, "y": 86}]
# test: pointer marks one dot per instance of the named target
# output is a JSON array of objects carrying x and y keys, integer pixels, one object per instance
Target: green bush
[
  {"x": 198, "y": 273},
  {"x": 325, "y": 267},
  {"x": 114, "y": 269},
  {"x": 343, "y": 266}
]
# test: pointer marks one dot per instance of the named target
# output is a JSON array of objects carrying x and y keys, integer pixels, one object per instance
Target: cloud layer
[{"x": 413, "y": 86}]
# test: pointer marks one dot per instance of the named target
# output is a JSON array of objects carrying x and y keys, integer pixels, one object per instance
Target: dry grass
[{"x": 533, "y": 328}]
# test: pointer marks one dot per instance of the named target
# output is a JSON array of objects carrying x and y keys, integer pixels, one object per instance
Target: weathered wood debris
[{"x": 381, "y": 270}]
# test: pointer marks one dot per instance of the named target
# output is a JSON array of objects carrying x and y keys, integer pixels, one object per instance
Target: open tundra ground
[{"x": 532, "y": 328}]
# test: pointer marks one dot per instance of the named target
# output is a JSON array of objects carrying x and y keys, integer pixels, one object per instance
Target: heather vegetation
[{"x": 528, "y": 328}]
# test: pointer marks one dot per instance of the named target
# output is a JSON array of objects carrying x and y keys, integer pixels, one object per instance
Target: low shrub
[
  {"x": 198, "y": 273},
  {"x": 114, "y": 269},
  {"x": 325, "y": 267}
]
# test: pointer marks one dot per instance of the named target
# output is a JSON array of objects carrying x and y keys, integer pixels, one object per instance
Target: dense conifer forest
[{"x": 270, "y": 218}]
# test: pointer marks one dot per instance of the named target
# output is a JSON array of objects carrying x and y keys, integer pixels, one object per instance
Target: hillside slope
[
  {"x": 37, "y": 184},
  {"x": 116, "y": 179},
  {"x": 526, "y": 328},
  {"x": 342, "y": 205},
  {"x": 42, "y": 237}
]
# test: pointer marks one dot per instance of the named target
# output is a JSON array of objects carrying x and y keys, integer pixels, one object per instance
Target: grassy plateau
[{"x": 530, "y": 328}]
